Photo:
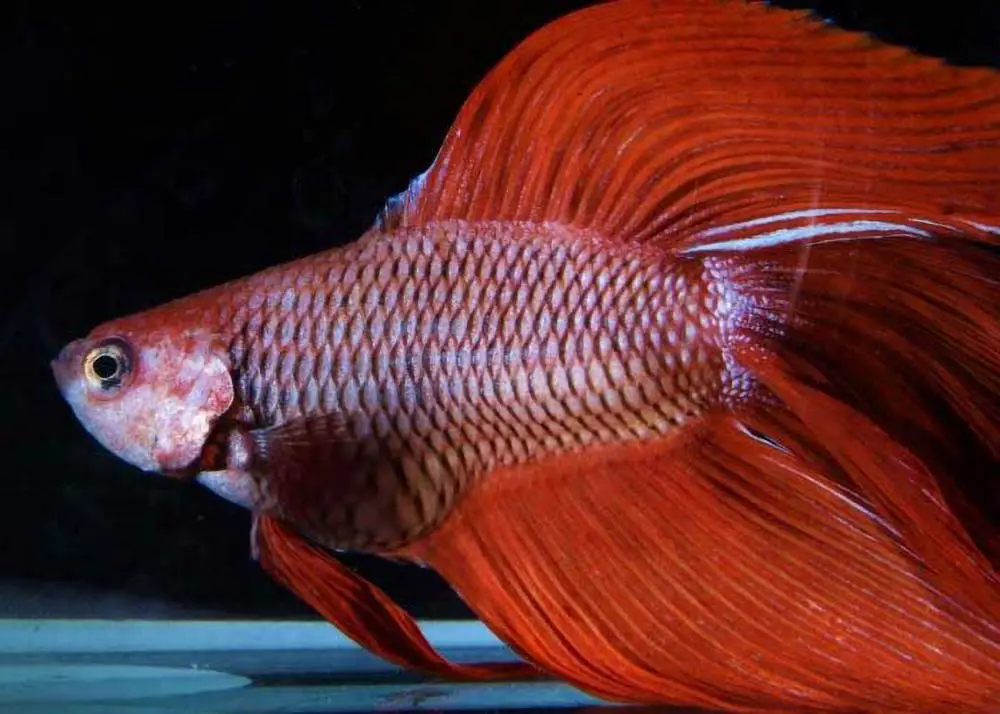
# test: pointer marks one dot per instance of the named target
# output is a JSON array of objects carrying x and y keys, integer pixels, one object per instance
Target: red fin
[
  {"x": 657, "y": 120},
  {"x": 360, "y": 610},
  {"x": 786, "y": 564},
  {"x": 901, "y": 488},
  {"x": 312, "y": 458},
  {"x": 907, "y": 333},
  {"x": 717, "y": 570}
]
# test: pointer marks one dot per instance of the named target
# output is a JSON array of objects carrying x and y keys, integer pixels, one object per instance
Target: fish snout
[{"x": 62, "y": 365}]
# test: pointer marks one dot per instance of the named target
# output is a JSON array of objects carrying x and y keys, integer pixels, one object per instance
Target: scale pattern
[{"x": 457, "y": 349}]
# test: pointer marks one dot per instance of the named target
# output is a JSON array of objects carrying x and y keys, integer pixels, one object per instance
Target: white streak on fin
[
  {"x": 762, "y": 438},
  {"x": 936, "y": 224},
  {"x": 813, "y": 231},
  {"x": 789, "y": 216},
  {"x": 985, "y": 227}
]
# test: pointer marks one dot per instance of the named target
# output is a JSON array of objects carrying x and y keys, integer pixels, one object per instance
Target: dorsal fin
[{"x": 655, "y": 120}]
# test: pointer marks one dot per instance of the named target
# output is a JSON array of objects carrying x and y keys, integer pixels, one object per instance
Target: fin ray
[
  {"x": 712, "y": 570},
  {"x": 901, "y": 331},
  {"x": 361, "y": 610},
  {"x": 646, "y": 121}
]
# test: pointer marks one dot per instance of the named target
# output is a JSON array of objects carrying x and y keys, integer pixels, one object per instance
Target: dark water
[{"x": 157, "y": 149}]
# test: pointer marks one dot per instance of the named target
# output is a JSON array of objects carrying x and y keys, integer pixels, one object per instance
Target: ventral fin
[
  {"x": 310, "y": 467},
  {"x": 738, "y": 565},
  {"x": 641, "y": 120},
  {"x": 360, "y": 610}
]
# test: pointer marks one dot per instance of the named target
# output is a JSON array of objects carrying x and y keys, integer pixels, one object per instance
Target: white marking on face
[{"x": 160, "y": 415}]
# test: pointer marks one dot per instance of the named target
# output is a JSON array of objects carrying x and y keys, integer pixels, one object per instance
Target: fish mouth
[
  {"x": 60, "y": 373},
  {"x": 61, "y": 365}
]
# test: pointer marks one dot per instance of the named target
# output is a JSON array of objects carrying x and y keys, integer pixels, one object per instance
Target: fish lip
[
  {"x": 60, "y": 371},
  {"x": 60, "y": 366},
  {"x": 56, "y": 366}
]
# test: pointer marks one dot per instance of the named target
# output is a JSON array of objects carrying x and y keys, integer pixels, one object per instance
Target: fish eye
[{"x": 108, "y": 364}]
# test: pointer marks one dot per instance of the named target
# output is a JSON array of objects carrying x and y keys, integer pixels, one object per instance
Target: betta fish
[{"x": 681, "y": 364}]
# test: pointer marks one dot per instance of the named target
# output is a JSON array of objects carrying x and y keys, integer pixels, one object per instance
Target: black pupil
[{"x": 105, "y": 367}]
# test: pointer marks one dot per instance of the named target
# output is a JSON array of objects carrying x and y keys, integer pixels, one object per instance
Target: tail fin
[{"x": 894, "y": 340}]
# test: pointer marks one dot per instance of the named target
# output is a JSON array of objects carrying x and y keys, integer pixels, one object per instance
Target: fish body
[
  {"x": 680, "y": 363},
  {"x": 439, "y": 356}
]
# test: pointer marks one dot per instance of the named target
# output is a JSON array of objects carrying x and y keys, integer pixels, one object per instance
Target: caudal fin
[{"x": 901, "y": 333}]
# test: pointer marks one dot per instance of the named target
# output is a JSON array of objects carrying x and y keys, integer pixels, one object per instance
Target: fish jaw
[
  {"x": 234, "y": 481},
  {"x": 159, "y": 419},
  {"x": 237, "y": 487}
]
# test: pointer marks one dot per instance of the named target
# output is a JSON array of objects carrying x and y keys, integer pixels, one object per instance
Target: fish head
[{"x": 151, "y": 397}]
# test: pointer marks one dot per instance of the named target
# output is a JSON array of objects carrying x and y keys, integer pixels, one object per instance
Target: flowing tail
[
  {"x": 882, "y": 359},
  {"x": 896, "y": 340}
]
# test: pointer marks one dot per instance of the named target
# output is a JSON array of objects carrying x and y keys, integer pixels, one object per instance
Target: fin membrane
[
  {"x": 717, "y": 570},
  {"x": 905, "y": 331},
  {"x": 361, "y": 610},
  {"x": 653, "y": 121}
]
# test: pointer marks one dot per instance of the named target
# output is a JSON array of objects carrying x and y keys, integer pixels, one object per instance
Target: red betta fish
[{"x": 681, "y": 363}]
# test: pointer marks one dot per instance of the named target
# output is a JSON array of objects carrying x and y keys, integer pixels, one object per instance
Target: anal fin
[{"x": 712, "y": 569}]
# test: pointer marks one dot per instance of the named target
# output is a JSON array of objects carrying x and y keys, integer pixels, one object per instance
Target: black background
[{"x": 152, "y": 149}]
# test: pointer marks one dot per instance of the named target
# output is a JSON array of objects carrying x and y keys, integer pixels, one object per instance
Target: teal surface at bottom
[{"x": 223, "y": 667}]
